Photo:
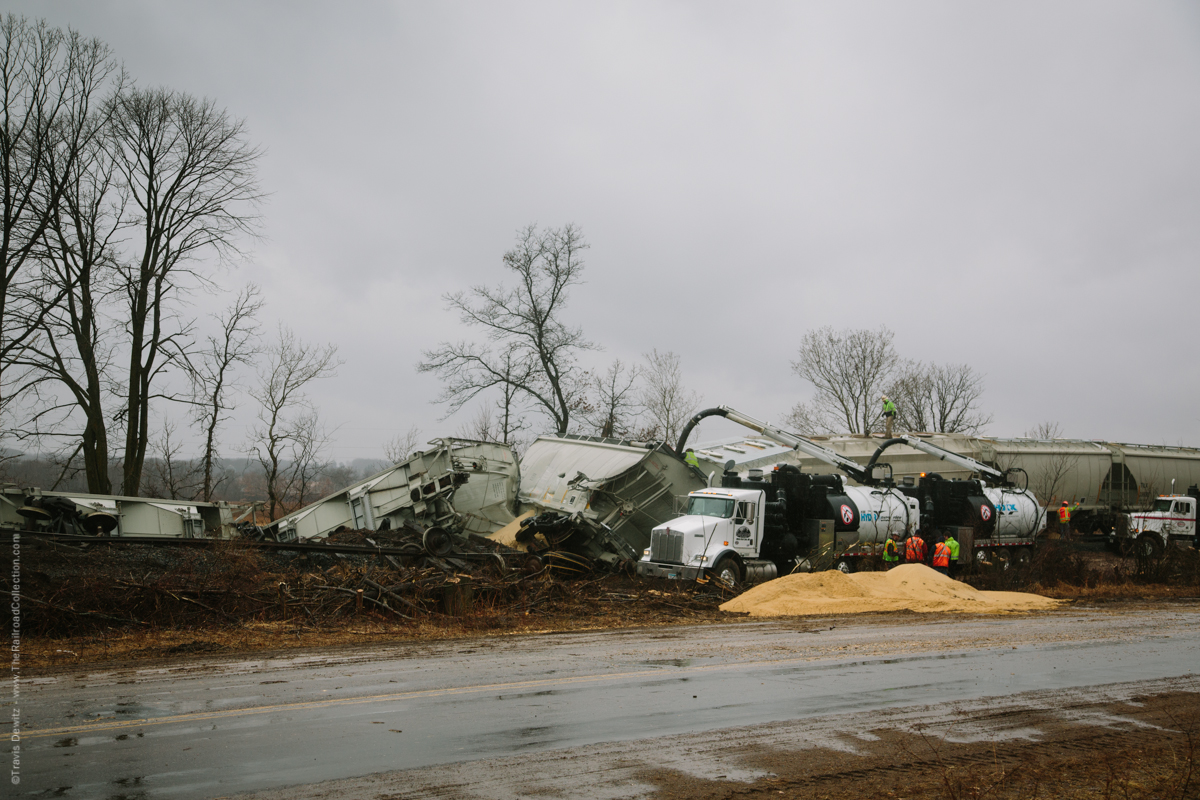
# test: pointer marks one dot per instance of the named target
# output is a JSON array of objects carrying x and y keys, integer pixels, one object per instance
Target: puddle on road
[
  {"x": 131, "y": 710},
  {"x": 669, "y": 662}
]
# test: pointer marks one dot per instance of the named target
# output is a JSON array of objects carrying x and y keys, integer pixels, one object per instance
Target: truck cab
[
  {"x": 721, "y": 533},
  {"x": 1171, "y": 518}
]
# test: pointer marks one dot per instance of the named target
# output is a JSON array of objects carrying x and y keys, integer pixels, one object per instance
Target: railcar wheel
[{"x": 728, "y": 571}]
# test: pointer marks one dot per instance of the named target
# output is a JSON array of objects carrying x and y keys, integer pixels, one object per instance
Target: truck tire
[
  {"x": 1023, "y": 556},
  {"x": 1002, "y": 559},
  {"x": 728, "y": 571},
  {"x": 1149, "y": 545},
  {"x": 844, "y": 565}
]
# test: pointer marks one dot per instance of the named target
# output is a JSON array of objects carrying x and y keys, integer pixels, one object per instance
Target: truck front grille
[{"x": 666, "y": 547}]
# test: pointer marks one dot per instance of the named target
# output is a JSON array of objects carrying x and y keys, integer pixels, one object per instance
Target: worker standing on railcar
[{"x": 889, "y": 415}]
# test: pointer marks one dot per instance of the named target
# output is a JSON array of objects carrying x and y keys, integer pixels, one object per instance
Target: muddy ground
[{"x": 1151, "y": 753}]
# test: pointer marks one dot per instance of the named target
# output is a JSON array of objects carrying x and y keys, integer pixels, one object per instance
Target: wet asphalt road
[{"x": 211, "y": 727}]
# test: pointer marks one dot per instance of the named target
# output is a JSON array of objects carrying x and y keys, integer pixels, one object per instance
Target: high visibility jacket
[
  {"x": 889, "y": 408},
  {"x": 1064, "y": 514},
  {"x": 952, "y": 543},
  {"x": 941, "y": 555},
  {"x": 890, "y": 551},
  {"x": 691, "y": 459},
  {"x": 914, "y": 549}
]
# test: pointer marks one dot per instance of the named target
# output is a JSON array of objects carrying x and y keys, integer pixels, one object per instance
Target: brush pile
[{"x": 70, "y": 590}]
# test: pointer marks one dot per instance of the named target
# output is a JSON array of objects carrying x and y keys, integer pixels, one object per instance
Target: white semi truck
[
  {"x": 758, "y": 525},
  {"x": 1171, "y": 519},
  {"x": 755, "y": 526}
]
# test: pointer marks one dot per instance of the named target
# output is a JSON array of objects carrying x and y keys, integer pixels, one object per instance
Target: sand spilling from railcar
[{"x": 909, "y": 587}]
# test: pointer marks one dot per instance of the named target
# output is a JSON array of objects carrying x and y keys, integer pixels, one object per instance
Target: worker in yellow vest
[
  {"x": 891, "y": 552},
  {"x": 689, "y": 456},
  {"x": 952, "y": 543},
  {"x": 889, "y": 415}
]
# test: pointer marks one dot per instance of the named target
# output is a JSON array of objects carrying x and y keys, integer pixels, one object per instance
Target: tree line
[
  {"x": 528, "y": 361},
  {"x": 119, "y": 204}
]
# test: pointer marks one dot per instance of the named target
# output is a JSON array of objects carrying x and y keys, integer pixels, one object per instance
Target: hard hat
[{"x": 1064, "y": 502}]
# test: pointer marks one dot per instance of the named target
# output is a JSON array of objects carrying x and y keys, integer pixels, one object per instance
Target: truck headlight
[{"x": 646, "y": 552}]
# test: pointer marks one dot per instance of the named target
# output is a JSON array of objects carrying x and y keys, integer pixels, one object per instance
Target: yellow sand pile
[{"x": 912, "y": 587}]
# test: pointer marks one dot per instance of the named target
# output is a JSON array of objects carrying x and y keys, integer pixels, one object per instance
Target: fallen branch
[{"x": 96, "y": 614}]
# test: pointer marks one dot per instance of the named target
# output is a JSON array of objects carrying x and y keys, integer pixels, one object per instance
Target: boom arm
[
  {"x": 966, "y": 462},
  {"x": 806, "y": 446}
]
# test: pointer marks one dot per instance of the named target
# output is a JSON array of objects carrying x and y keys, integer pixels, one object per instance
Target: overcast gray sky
[{"x": 1011, "y": 185}]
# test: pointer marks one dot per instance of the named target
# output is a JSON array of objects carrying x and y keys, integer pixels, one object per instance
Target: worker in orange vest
[
  {"x": 941, "y": 557},
  {"x": 914, "y": 550},
  {"x": 1064, "y": 521}
]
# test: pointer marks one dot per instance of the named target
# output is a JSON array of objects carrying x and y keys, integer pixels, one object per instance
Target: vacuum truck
[{"x": 758, "y": 525}]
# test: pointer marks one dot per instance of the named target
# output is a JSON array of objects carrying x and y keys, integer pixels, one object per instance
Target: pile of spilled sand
[{"x": 909, "y": 587}]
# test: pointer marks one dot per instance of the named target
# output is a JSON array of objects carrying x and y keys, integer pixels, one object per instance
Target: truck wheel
[
  {"x": 844, "y": 565},
  {"x": 1003, "y": 559},
  {"x": 728, "y": 571},
  {"x": 1149, "y": 545},
  {"x": 1023, "y": 556}
]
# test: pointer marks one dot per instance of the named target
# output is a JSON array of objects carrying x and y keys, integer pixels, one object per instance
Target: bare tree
[
  {"x": 937, "y": 398},
  {"x": 849, "y": 370},
  {"x": 288, "y": 437},
  {"x": 1045, "y": 430},
  {"x": 531, "y": 348},
  {"x": 212, "y": 372},
  {"x": 76, "y": 349},
  {"x": 49, "y": 82},
  {"x": 402, "y": 445},
  {"x": 1050, "y": 475},
  {"x": 613, "y": 407},
  {"x": 191, "y": 180},
  {"x": 667, "y": 402},
  {"x": 169, "y": 475}
]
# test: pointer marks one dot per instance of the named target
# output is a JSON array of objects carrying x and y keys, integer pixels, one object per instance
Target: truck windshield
[
  {"x": 1162, "y": 505},
  {"x": 710, "y": 507}
]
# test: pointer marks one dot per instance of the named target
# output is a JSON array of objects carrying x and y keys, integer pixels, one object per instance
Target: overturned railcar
[
  {"x": 460, "y": 485},
  {"x": 32, "y": 509},
  {"x": 613, "y": 492}
]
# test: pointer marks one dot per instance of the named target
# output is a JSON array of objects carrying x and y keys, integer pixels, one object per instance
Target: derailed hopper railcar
[
  {"x": 459, "y": 485},
  {"x": 599, "y": 497}
]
